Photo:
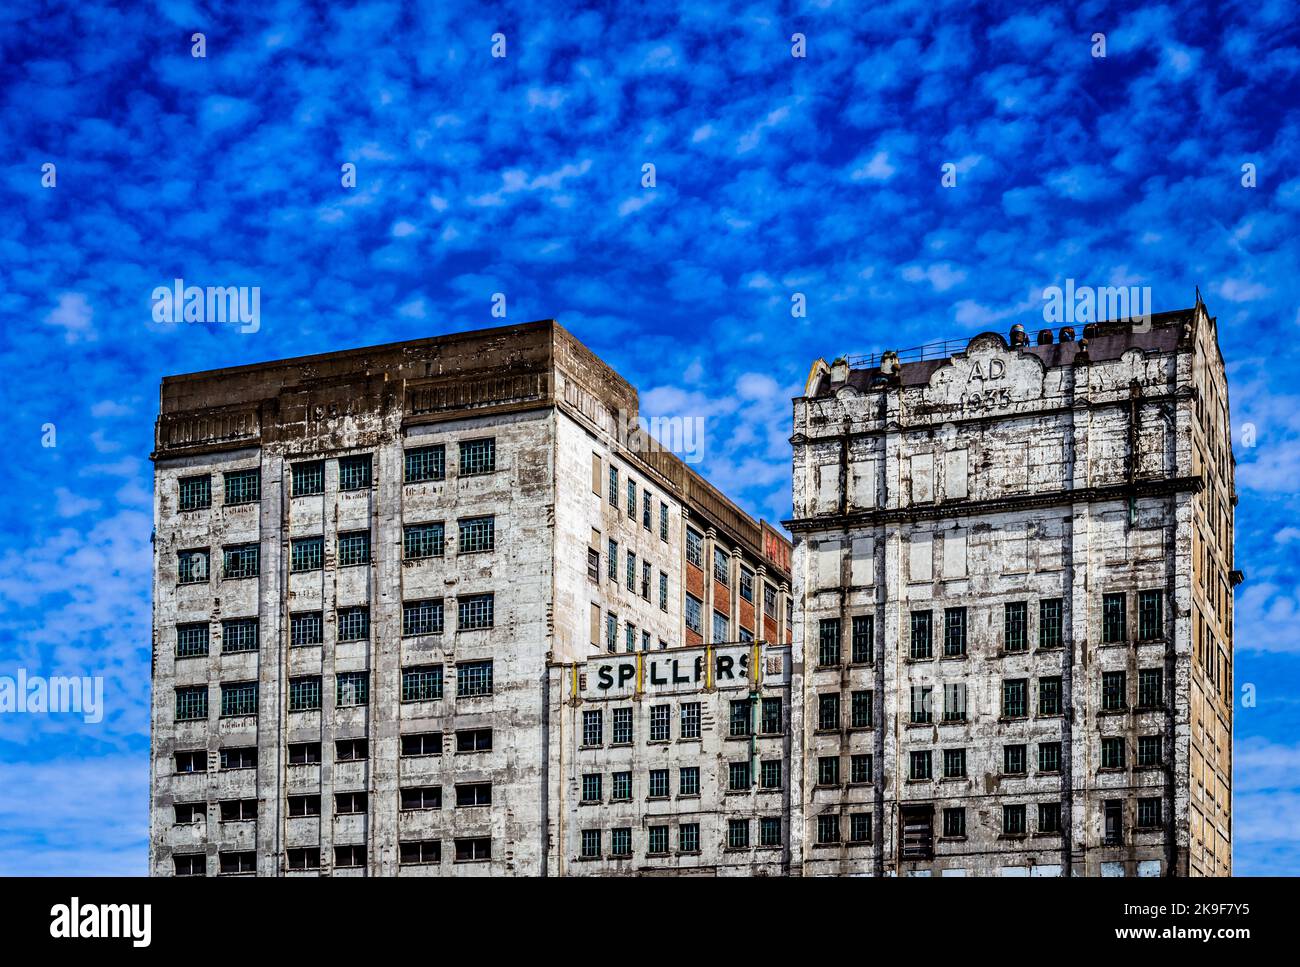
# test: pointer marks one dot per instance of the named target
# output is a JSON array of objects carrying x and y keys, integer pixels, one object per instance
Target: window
[
  {"x": 189, "y": 814},
  {"x": 243, "y": 487},
  {"x": 1013, "y": 760},
  {"x": 645, "y": 581},
  {"x": 921, "y": 644},
  {"x": 860, "y": 827},
  {"x": 1151, "y": 619},
  {"x": 304, "y": 694},
  {"x": 593, "y": 727},
  {"x": 631, "y": 499},
  {"x": 191, "y": 640},
  {"x": 306, "y": 628},
  {"x": 354, "y": 549},
  {"x": 422, "y": 617},
  {"x": 196, "y": 493},
  {"x": 919, "y": 765},
  {"x": 770, "y": 717},
  {"x": 954, "y": 763},
  {"x": 353, "y": 624},
  {"x": 663, "y": 591},
  {"x": 620, "y": 787},
  {"x": 611, "y": 632},
  {"x": 621, "y": 842},
  {"x": 191, "y": 704},
  {"x": 1013, "y": 820},
  {"x": 721, "y": 566},
  {"x": 306, "y": 554},
  {"x": 1114, "y": 697},
  {"x": 473, "y": 678},
  {"x": 305, "y": 754},
  {"x": 954, "y": 633},
  {"x": 308, "y": 478},
  {"x": 694, "y": 548},
  {"x": 1015, "y": 623},
  {"x": 422, "y": 744},
  {"x": 478, "y": 457},
  {"x": 921, "y": 704},
  {"x": 473, "y": 740},
  {"x": 690, "y": 715},
  {"x": 423, "y": 540},
  {"x": 741, "y": 721},
  {"x": 474, "y": 612},
  {"x": 694, "y": 614},
  {"x": 738, "y": 777},
  {"x": 300, "y": 806},
  {"x": 1151, "y": 682},
  {"x": 864, "y": 639},
  {"x": 1149, "y": 751},
  {"x": 1113, "y": 630},
  {"x": 660, "y": 723},
  {"x": 192, "y": 567},
  {"x": 238, "y": 634},
  {"x": 954, "y": 702},
  {"x": 425, "y": 463},
  {"x": 1148, "y": 813},
  {"x": 769, "y": 774},
  {"x": 239, "y": 698},
  {"x": 238, "y": 863},
  {"x": 769, "y": 601},
  {"x": 658, "y": 784},
  {"x": 593, "y": 565},
  {"x": 629, "y": 637},
  {"x": 1049, "y": 817},
  {"x": 240, "y": 561},
  {"x": 721, "y": 627},
  {"x": 688, "y": 781},
  {"x": 613, "y": 485},
  {"x": 737, "y": 834},
  {"x": 828, "y": 770},
  {"x": 1013, "y": 698},
  {"x": 1049, "y": 695},
  {"x": 688, "y": 838},
  {"x": 954, "y": 823},
  {"x": 746, "y": 584},
  {"x": 420, "y": 852},
  {"x": 1049, "y": 623},
  {"x": 622, "y": 726},
  {"x": 860, "y": 767},
  {"x": 477, "y": 534},
  {"x": 658, "y": 841},
  {"x": 347, "y": 750},
  {"x": 238, "y": 810},
  {"x": 190, "y": 864},
  {"x": 1049, "y": 757},
  {"x": 828, "y": 712},
  {"x": 828, "y": 828},
  {"x": 473, "y": 794},
  {"x": 354, "y": 472},
  {"x": 422, "y": 684},
  {"x": 828, "y": 641},
  {"x": 241, "y": 757},
  {"x": 303, "y": 858},
  {"x": 1113, "y": 819},
  {"x": 591, "y": 782},
  {"x": 1112, "y": 753},
  {"x": 646, "y": 509},
  {"x": 195, "y": 760},
  {"x": 351, "y": 688},
  {"x": 591, "y": 844},
  {"x": 346, "y": 857},
  {"x": 663, "y": 521},
  {"x": 769, "y": 831}
]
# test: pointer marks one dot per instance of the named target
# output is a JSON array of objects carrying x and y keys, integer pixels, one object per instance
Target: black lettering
[
  {"x": 724, "y": 666},
  {"x": 654, "y": 675},
  {"x": 625, "y": 674},
  {"x": 604, "y": 677},
  {"x": 679, "y": 678}
]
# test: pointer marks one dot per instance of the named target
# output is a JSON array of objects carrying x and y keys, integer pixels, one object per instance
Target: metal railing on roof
[{"x": 935, "y": 350}]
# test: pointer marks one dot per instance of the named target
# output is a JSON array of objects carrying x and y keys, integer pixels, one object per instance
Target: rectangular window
[
  {"x": 238, "y": 634},
  {"x": 423, "y": 540},
  {"x": 473, "y": 740},
  {"x": 1049, "y": 817},
  {"x": 621, "y": 841},
  {"x": 1114, "y": 694},
  {"x": 694, "y": 548},
  {"x": 631, "y": 499},
  {"x": 300, "y": 806},
  {"x": 423, "y": 684},
  {"x": 422, "y": 617},
  {"x": 741, "y": 721},
  {"x": 663, "y": 521},
  {"x": 737, "y": 834},
  {"x": 645, "y": 580},
  {"x": 1015, "y": 623},
  {"x": 353, "y": 624},
  {"x": 921, "y": 704},
  {"x": 828, "y": 641},
  {"x": 425, "y": 463},
  {"x": 308, "y": 478},
  {"x": 688, "y": 838},
  {"x": 859, "y": 827},
  {"x": 860, "y": 767},
  {"x": 196, "y": 493},
  {"x": 1151, "y": 619},
  {"x": 613, "y": 560},
  {"x": 1049, "y": 757},
  {"x": 1149, "y": 751},
  {"x": 954, "y": 763},
  {"x": 622, "y": 726},
  {"x": 473, "y": 794},
  {"x": 478, "y": 457},
  {"x": 1112, "y": 753},
  {"x": 1151, "y": 683},
  {"x": 1113, "y": 626},
  {"x": 657, "y": 843},
  {"x": 611, "y": 632},
  {"x": 658, "y": 784},
  {"x": 629, "y": 637},
  {"x": 828, "y": 770},
  {"x": 190, "y": 864},
  {"x": 613, "y": 485},
  {"x": 347, "y": 857},
  {"x": 354, "y": 548},
  {"x": 954, "y": 632},
  {"x": 195, "y": 760},
  {"x": 306, "y": 628},
  {"x": 304, "y": 694},
  {"x": 646, "y": 509},
  {"x": 354, "y": 472},
  {"x": 419, "y": 853},
  {"x": 1113, "y": 822},
  {"x": 1049, "y": 695},
  {"x": 690, "y": 720},
  {"x": 474, "y": 612},
  {"x": 694, "y": 614},
  {"x": 660, "y": 722},
  {"x": 631, "y": 572},
  {"x": 192, "y": 567},
  {"x": 1013, "y": 760},
  {"x": 864, "y": 639},
  {"x": 721, "y": 627},
  {"x": 348, "y": 750},
  {"x": 239, "y": 698},
  {"x": 1049, "y": 623},
  {"x": 769, "y": 831},
  {"x": 477, "y": 534},
  {"x": 770, "y": 774},
  {"x": 746, "y": 584},
  {"x": 476, "y": 849},
  {"x": 769, "y": 601},
  {"x": 721, "y": 566},
  {"x": 954, "y": 823},
  {"x": 922, "y": 647},
  {"x": 351, "y": 688},
  {"x": 350, "y": 803},
  {"x": 191, "y": 640},
  {"x": 1013, "y": 698},
  {"x": 240, "y": 561},
  {"x": 591, "y": 783},
  {"x": 306, "y": 554},
  {"x": 593, "y": 565},
  {"x": 828, "y": 828},
  {"x": 303, "y": 858},
  {"x": 771, "y": 717},
  {"x": 620, "y": 787},
  {"x": 828, "y": 712},
  {"x": 238, "y": 810},
  {"x": 422, "y": 744},
  {"x": 189, "y": 814},
  {"x": 1148, "y": 813},
  {"x": 473, "y": 678},
  {"x": 593, "y": 727},
  {"x": 663, "y": 591},
  {"x": 688, "y": 781},
  {"x": 1013, "y": 820},
  {"x": 191, "y": 705},
  {"x": 954, "y": 702},
  {"x": 243, "y": 487}
]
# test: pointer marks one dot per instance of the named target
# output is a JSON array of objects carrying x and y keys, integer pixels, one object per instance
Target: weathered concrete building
[
  {"x": 1013, "y": 576},
  {"x": 381, "y": 578}
]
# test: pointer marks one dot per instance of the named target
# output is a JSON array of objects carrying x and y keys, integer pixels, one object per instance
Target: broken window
[
  {"x": 1015, "y": 619},
  {"x": 303, "y": 858},
  {"x": 346, "y": 857},
  {"x": 690, "y": 720},
  {"x": 474, "y": 740},
  {"x": 916, "y": 825},
  {"x": 236, "y": 863},
  {"x": 306, "y": 554},
  {"x": 240, "y": 561},
  {"x": 721, "y": 566},
  {"x": 239, "y": 698},
  {"x": 828, "y": 641},
  {"x": 1148, "y": 812},
  {"x": 1049, "y": 817},
  {"x": 1013, "y": 760},
  {"x": 746, "y": 584},
  {"x": 238, "y": 810},
  {"x": 1113, "y": 815},
  {"x": 354, "y": 472},
  {"x": 646, "y": 511},
  {"x": 422, "y": 617},
  {"x": 300, "y": 806},
  {"x": 694, "y": 614},
  {"x": 187, "y": 814},
  {"x": 190, "y": 864},
  {"x": 920, "y": 765},
  {"x": 770, "y": 716},
  {"x": 630, "y": 637},
  {"x": 238, "y": 634},
  {"x": 350, "y": 803},
  {"x": 741, "y": 718},
  {"x": 192, "y": 567},
  {"x": 474, "y": 611},
  {"x": 645, "y": 580},
  {"x": 921, "y": 711},
  {"x": 721, "y": 627},
  {"x": 242, "y": 757},
  {"x": 954, "y": 822},
  {"x": 593, "y": 565},
  {"x": 354, "y": 549},
  {"x": 422, "y": 744},
  {"x": 1112, "y": 753},
  {"x": 478, "y": 534},
  {"x": 425, "y": 463},
  {"x": 1049, "y": 623},
  {"x": 306, "y": 628},
  {"x": 421, "y": 797},
  {"x": 478, "y": 457},
  {"x": 304, "y": 693},
  {"x": 194, "y": 760},
  {"x": 694, "y": 548},
  {"x": 191, "y": 640},
  {"x": 631, "y": 499},
  {"x": 864, "y": 639},
  {"x": 351, "y": 688},
  {"x": 304, "y": 753},
  {"x": 308, "y": 478},
  {"x": 769, "y": 601},
  {"x": 196, "y": 493},
  {"x": 663, "y": 591},
  {"x": 921, "y": 648},
  {"x": 663, "y": 521},
  {"x": 423, "y": 540},
  {"x": 954, "y": 702},
  {"x": 423, "y": 684}
]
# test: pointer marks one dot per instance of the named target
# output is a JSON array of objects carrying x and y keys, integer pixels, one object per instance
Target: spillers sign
[
  {"x": 651, "y": 671},
  {"x": 986, "y": 378}
]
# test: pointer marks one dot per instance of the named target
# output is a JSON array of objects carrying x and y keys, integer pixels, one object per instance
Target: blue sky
[{"x": 522, "y": 175}]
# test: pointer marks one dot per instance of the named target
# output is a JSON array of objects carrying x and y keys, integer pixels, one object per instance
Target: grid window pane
[
  {"x": 304, "y": 694},
  {"x": 354, "y": 472},
  {"x": 1049, "y": 623},
  {"x": 688, "y": 781},
  {"x": 195, "y": 493},
  {"x": 306, "y": 628},
  {"x": 239, "y": 699},
  {"x": 622, "y": 726},
  {"x": 922, "y": 711},
  {"x": 422, "y": 617},
  {"x": 770, "y": 774},
  {"x": 191, "y": 640},
  {"x": 354, "y": 549},
  {"x": 921, "y": 647},
  {"x": 1151, "y": 682},
  {"x": 306, "y": 554},
  {"x": 1013, "y": 698},
  {"x": 353, "y": 624},
  {"x": 1049, "y": 696},
  {"x": 1015, "y": 621},
  {"x": 954, "y": 632},
  {"x": 1113, "y": 625},
  {"x": 422, "y": 684},
  {"x": 658, "y": 840},
  {"x": 828, "y": 828},
  {"x": 1151, "y": 620},
  {"x": 694, "y": 548},
  {"x": 828, "y": 641},
  {"x": 241, "y": 561},
  {"x": 694, "y": 614},
  {"x": 425, "y": 463},
  {"x": 621, "y": 786},
  {"x": 688, "y": 837},
  {"x": 478, "y": 457},
  {"x": 474, "y": 611},
  {"x": 192, "y": 567},
  {"x": 1114, "y": 694},
  {"x": 474, "y": 678},
  {"x": 771, "y": 717},
  {"x": 860, "y": 827},
  {"x": 954, "y": 702},
  {"x": 690, "y": 720},
  {"x": 308, "y": 478},
  {"x": 741, "y": 717},
  {"x": 621, "y": 842},
  {"x": 243, "y": 486},
  {"x": 423, "y": 540},
  {"x": 238, "y": 634},
  {"x": 660, "y": 719},
  {"x": 769, "y": 831},
  {"x": 191, "y": 703},
  {"x": 593, "y": 727},
  {"x": 864, "y": 639},
  {"x": 352, "y": 688},
  {"x": 477, "y": 534},
  {"x": 1049, "y": 757},
  {"x": 658, "y": 784},
  {"x": 737, "y": 833}
]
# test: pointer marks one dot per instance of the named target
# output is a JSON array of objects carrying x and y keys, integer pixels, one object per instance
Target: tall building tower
[
  {"x": 372, "y": 568},
  {"x": 1013, "y": 576}
]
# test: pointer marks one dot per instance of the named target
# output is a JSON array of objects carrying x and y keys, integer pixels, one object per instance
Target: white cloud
[{"x": 74, "y": 315}]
